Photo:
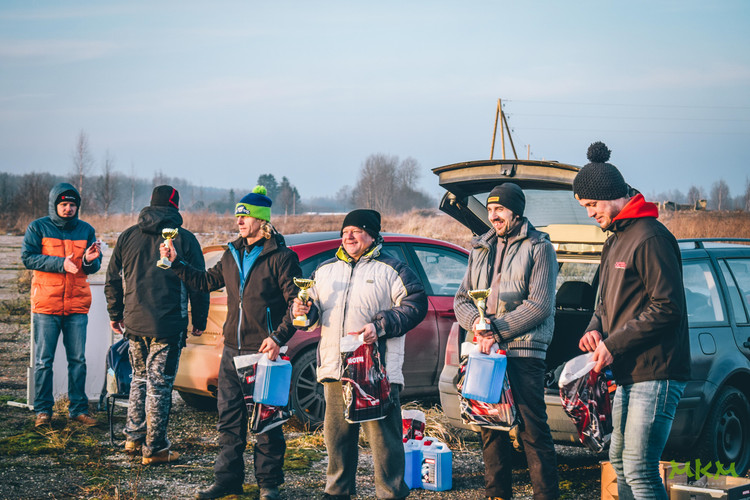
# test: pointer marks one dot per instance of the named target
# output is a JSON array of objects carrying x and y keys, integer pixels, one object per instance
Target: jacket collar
[
  {"x": 489, "y": 238},
  {"x": 636, "y": 208},
  {"x": 373, "y": 252}
]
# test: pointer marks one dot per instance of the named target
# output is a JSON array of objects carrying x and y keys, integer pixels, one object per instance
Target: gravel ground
[{"x": 69, "y": 461}]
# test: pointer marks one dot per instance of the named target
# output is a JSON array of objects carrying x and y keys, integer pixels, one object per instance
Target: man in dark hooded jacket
[
  {"x": 149, "y": 305},
  {"x": 62, "y": 251},
  {"x": 639, "y": 326}
]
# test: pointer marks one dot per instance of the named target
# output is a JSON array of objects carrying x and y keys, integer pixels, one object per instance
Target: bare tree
[
  {"x": 132, "y": 188},
  {"x": 747, "y": 195},
  {"x": 82, "y": 160},
  {"x": 106, "y": 192},
  {"x": 32, "y": 197},
  {"x": 288, "y": 196},
  {"x": 694, "y": 194},
  {"x": 720, "y": 195},
  {"x": 389, "y": 186}
]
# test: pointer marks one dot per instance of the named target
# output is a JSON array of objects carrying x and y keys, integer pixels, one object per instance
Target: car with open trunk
[{"x": 712, "y": 422}]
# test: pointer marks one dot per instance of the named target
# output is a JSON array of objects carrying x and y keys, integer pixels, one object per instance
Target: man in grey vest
[{"x": 519, "y": 264}]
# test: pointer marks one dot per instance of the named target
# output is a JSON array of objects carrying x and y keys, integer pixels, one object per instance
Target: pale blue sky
[{"x": 220, "y": 92}]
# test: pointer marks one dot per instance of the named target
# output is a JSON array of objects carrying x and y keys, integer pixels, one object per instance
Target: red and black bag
[
  {"x": 585, "y": 399},
  {"x": 262, "y": 417},
  {"x": 502, "y": 415},
  {"x": 366, "y": 390}
]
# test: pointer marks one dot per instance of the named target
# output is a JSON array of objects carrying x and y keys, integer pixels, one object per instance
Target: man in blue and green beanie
[{"x": 257, "y": 270}]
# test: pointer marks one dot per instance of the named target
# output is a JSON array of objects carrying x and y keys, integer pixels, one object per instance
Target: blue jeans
[
  {"x": 47, "y": 328},
  {"x": 642, "y": 417}
]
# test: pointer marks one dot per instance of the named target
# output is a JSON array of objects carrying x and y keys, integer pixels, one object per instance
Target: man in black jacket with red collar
[{"x": 639, "y": 326}]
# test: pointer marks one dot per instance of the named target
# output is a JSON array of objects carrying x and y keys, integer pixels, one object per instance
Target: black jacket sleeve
[
  {"x": 410, "y": 308},
  {"x": 288, "y": 270},
  {"x": 199, "y": 298}
]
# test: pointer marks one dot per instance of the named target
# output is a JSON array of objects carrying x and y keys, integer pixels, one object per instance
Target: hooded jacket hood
[
  {"x": 67, "y": 223},
  {"x": 153, "y": 219},
  {"x": 636, "y": 208}
]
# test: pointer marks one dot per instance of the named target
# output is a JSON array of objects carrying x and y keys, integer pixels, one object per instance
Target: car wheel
[
  {"x": 197, "y": 401},
  {"x": 725, "y": 437},
  {"x": 306, "y": 395}
]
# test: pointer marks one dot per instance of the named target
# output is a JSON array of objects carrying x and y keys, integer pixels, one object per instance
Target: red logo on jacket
[{"x": 619, "y": 265}]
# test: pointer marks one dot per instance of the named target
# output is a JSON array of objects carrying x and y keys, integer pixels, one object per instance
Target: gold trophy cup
[
  {"x": 480, "y": 299},
  {"x": 168, "y": 234},
  {"x": 303, "y": 295}
]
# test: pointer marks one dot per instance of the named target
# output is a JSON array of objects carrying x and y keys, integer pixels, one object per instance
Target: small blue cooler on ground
[
  {"x": 272, "y": 380},
  {"x": 484, "y": 378},
  {"x": 437, "y": 466},
  {"x": 413, "y": 464}
]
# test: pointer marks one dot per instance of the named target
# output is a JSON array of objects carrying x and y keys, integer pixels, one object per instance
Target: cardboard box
[
  {"x": 609, "y": 479},
  {"x": 710, "y": 487}
]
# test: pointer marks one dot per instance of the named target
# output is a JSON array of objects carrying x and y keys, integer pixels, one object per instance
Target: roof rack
[{"x": 700, "y": 242}]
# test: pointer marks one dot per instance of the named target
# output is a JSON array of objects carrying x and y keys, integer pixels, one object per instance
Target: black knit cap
[
  {"x": 599, "y": 180},
  {"x": 510, "y": 196},
  {"x": 165, "y": 196},
  {"x": 69, "y": 195},
  {"x": 369, "y": 220}
]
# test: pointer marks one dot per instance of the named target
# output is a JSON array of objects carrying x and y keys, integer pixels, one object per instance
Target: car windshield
[{"x": 545, "y": 207}]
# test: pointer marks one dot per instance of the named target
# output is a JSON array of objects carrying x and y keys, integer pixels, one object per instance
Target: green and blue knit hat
[{"x": 255, "y": 204}]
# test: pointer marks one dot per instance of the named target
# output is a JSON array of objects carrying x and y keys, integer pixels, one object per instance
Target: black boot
[{"x": 217, "y": 490}]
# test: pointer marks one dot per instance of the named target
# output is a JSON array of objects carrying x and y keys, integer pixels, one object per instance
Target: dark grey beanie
[
  {"x": 510, "y": 196},
  {"x": 599, "y": 180}
]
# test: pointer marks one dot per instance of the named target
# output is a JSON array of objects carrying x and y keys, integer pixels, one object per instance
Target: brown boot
[
  {"x": 42, "y": 419},
  {"x": 133, "y": 447},
  {"x": 85, "y": 419},
  {"x": 162, "y": 457}
]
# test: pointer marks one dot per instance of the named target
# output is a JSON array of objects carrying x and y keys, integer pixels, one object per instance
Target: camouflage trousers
[{"x": 154, "y": 367}]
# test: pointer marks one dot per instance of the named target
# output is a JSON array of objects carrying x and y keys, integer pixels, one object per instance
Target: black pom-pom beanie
[{"x": 599, "y": 180}]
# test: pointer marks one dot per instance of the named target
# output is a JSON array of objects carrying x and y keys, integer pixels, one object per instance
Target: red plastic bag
[
  {"x": 366, "y": 390},
  {"x": 502, "y": 415},
  {"x": 413, "y": 423},
  {"x": 585, "y": 398},
  {"x": 262, "y": 417}
]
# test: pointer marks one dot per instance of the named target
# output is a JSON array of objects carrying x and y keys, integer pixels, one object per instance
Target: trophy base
[
  {"x": 164, "y": 263},
  {"x": 301, "y": 321},
  {"x": 482, "y": 327}
]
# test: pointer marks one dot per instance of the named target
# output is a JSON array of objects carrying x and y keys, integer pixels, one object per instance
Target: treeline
[
  {"x": 718, "y": 197},
  {"x": 385, "y": 183}
]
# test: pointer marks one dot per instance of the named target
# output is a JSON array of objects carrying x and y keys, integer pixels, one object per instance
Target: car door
[
  {"x": 441, "y": 270},
  {"x": 737, "y": 277}
]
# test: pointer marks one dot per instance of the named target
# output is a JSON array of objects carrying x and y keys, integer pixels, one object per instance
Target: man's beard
[{"x": 508, "y": 226}]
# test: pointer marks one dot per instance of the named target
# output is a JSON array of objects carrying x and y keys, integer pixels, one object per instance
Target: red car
[{"x": 439, "y": 264}]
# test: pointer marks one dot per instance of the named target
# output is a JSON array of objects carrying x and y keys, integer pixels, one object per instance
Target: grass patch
[
  {"x": 301, "y": 458},
  {"x": 15, "y": 310},
  {"x": 49, "y": 441}
]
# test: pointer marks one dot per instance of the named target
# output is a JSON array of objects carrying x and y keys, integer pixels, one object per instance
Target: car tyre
[
  {"x": 204, "y": 403},
  {"x": 726, "y": 436},
  {"x": 306, "y": 397}
]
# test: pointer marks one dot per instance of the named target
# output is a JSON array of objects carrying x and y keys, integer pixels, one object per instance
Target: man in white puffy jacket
[{"x": 360, "y": 291}]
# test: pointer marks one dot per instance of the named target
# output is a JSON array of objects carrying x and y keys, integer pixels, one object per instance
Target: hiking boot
[
  {"x": 133, "y": 447},
  {"x": 42, "y": 419},
  {"x": 217, "y": 490},
  {"x": 85, "y": 420},
  {"x": 162, "y": 457},
  {"x": 269, "y": 493},
  {"x": 327, "y": 496}
]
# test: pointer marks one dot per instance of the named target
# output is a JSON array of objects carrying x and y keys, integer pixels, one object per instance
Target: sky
[{"x": 220, "y": 92}]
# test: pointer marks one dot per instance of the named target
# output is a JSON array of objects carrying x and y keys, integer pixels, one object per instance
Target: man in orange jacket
[{"x": 62, "y": 251}]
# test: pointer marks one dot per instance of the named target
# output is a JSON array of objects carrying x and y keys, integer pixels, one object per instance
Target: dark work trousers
[
  {"x": 526, "y": 377},
  {"x": 268, "y": 453}
]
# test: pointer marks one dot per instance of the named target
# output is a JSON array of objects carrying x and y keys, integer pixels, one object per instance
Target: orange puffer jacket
[{"x": 45, "y": 245}]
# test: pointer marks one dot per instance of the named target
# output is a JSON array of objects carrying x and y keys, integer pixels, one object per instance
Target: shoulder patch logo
[{"x": 619, "y": 265}]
